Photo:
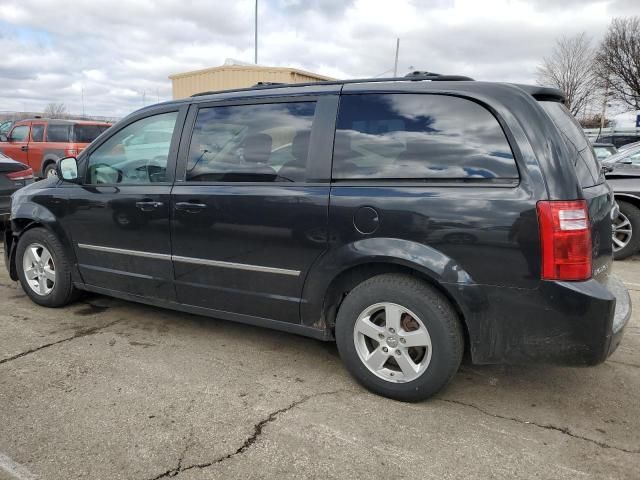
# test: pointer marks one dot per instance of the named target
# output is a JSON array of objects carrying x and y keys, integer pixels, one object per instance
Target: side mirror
[
  {"x": 67, "y": 169},
  {"x": 3, "y": 137}
]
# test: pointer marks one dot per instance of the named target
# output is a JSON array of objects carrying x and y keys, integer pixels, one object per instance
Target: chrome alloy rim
[
  {"x": 39, "y": 269},
  {"x": 622, "y": 232},
  {"x": 392, "y": 342}
]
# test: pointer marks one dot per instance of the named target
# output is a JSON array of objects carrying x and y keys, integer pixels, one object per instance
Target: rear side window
[
  {"x": 87, "y": 133},
  {"x": 584, "y": 158},
  {"x": 59, "y": 133},
  {"x": 419, "y": 137}
]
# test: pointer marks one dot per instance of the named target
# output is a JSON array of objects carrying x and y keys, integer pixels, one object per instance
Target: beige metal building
[{"x": 227, "y": 77}]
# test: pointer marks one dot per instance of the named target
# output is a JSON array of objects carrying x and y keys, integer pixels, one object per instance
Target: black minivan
[{"x": 408, "y": 219}]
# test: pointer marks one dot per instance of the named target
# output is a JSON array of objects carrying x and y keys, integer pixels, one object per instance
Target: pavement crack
[
  {"x": 80, "y": 333},
  {"x": 623, "y": 363},
  {"x": 563, "y": 430},
  {"x": 252, "y": 439}
]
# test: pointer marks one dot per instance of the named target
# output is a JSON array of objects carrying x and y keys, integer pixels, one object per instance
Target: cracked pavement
[{"x": 106, "y": 389}]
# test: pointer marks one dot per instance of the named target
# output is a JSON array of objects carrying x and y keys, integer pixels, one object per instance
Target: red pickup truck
[{"x": 40, "y": 142}]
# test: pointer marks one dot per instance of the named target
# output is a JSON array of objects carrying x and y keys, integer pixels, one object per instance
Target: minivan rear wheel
[
  {"x": 626, "y": 231},
  {"x": 399, "y": 337},
  {"x": 43, "y": 269}
]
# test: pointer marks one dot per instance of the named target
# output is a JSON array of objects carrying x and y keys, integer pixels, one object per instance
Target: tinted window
[
  {"x": 20, "y": 133},
  {"x": 129, "y": 157},
  {"x": 251, "y": 143},
  {"x": 584, "y": 158},
  {"x": 37, "y": 133},
  {"x": 87, "y": 133},
  {"x": 59, "y": 133},
  {"x": 408, "y": 136}
]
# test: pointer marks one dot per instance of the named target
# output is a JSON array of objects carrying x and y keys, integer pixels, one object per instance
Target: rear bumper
[{"x": 567, "y": 323}]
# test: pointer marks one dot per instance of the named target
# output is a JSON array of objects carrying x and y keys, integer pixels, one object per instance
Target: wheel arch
[
  {"x": 326, "y": 289},
  {"x": 29, "y": 216},
  {"x": 46, "y": 161},
  {"x": 626, "y": 197}
]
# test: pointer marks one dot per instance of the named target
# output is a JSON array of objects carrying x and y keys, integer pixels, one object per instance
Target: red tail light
[
  {"x": 21, "y": 175},
  {"x": 565, "y": 237}
]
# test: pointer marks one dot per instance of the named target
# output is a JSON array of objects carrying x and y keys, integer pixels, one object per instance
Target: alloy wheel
[
  {"x": 622, "y": 232},
  {"x": 39, "y": 269},
  {"x": 392, "y": 342}
]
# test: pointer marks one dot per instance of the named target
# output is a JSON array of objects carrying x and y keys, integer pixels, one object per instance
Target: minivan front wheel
[
  {"x": 399, "y": 337},
  {"x": 43, "y": 269}
]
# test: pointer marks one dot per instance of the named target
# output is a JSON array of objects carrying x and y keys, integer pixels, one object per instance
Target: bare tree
[
  {"x": 55, "y": 110},
  {"x": 618, "y": 60},
  {"x": 570, "y": 69}
]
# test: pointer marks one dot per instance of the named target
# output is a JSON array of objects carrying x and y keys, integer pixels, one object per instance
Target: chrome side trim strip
[
  {"x": 191, "y": 260},
  {"x": 237, "y": 266},
  {"x": 134, "y": 253}
]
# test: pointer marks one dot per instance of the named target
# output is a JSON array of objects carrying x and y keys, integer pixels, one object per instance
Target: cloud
[{"x": 119, "y": 54}]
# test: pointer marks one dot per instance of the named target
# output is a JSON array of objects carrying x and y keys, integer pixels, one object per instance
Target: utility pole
[
  {"x": 395, "y": 65},
  {"x": 82, "y": 96},
  {"x": 255, "y": 60}
]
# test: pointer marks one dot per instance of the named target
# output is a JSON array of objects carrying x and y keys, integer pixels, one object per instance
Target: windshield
[
  {"x": 585, "y": 161},
  {"x": 88, "y": 133}
]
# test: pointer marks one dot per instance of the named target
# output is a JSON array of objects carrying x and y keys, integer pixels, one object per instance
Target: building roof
[{"x": 249, "y": 68}]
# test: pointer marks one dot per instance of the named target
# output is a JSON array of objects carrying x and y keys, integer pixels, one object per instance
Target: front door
[
  {"x": 119, "y": 217},
  {"x": 36, "y": 147},
  {"x": 250, "y": 205},
  {"x": 17, "y": 146}
]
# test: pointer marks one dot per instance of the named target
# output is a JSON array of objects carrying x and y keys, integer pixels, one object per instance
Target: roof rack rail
[{"x": 412, "y": 77}]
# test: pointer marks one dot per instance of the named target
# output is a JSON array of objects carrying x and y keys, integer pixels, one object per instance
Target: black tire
[
  {"x": 632, "y": 213},
  {"x": 51, "y": 167},
  {"x": 63, "y": 291},
  {"x": 435, "y": 312}
]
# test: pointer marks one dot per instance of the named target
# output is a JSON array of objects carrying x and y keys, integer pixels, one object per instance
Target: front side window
[
  {"x": 251, "y": 143},
  {"x": 136, "y": 154},
  {"x": 37, "y": 133},
  {"x": 20, "y": 133},
  {"x": 419, "y": 137},
  {"x": 59, "y": 133}
]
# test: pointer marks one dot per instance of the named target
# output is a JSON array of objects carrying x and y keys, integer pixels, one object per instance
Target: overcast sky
[{"x": 120, "y": 53}]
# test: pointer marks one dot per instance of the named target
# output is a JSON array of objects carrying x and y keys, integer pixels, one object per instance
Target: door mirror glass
[
  {"x": 67, "y": 169},
  {"x": 3, "y": 138}
]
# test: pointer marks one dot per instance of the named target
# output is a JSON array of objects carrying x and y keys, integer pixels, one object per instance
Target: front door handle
[
  {"x": 24, "y": 148},
  {"x": 190, "y": 207},
  {"x": 148, "y": 206}
]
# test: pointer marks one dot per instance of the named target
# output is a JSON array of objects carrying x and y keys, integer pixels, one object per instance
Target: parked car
[
  {"x": 604, "y": 150},
  {"x": 623, "y": 174},
  {"x": 347, "y": 240},
  {"x": 618, "y": 139},
  {"x": 628, "y": 146},
  {"x": 13, "y": 175},
  {"x": 5, "y": 126},
  {"x": 40, "y": 142}
]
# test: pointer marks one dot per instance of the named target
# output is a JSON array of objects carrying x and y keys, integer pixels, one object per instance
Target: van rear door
[{"x": 596, "y": 191}]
